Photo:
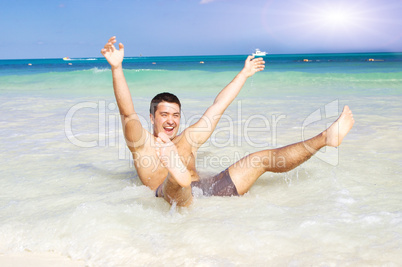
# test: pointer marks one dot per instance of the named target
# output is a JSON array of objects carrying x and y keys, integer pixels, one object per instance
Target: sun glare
[
  {"x": 327, "y": 23},
  {"x": 341, "y": 17},
  {"x": 338, "y": 18}
]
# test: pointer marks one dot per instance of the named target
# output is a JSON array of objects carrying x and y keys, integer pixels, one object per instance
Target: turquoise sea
[{"x": 68, "y": 186}]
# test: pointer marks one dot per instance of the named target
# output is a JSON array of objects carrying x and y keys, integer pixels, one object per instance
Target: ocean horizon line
[{"x": 217, "y": 55}]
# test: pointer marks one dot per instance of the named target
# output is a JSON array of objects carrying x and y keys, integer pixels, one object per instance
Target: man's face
[{"x": 166, "y": 119}]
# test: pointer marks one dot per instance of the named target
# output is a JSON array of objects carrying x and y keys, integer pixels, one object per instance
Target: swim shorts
[{"x": 218, "y": 185}]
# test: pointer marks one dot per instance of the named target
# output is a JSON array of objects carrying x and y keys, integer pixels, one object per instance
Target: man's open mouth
[{"x": 168, "y": 129}]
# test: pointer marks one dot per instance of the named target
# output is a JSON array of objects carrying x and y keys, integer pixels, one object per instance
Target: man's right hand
[{"x": 112, "y": 55}]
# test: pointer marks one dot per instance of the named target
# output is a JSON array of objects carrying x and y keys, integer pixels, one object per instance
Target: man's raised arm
[
  {"x": 202, "y": 130},
  {"x": 133, "y": 130}
]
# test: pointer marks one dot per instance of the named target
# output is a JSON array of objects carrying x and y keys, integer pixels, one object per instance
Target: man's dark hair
[{"x": 163, "y": 97}]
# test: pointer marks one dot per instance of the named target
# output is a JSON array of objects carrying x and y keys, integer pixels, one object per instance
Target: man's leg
[{"x": 246, "y": 171}]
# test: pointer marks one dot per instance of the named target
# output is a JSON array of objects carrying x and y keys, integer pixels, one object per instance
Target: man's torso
[{"x": 149, "y": 167}]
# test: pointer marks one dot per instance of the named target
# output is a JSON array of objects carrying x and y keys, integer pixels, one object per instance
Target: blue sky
[{"x": 79, "y": 28}]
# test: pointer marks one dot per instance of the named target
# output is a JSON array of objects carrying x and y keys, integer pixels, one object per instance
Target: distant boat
[
  {"x": 259, "y": 53},
  {"x": 66, "y": 58}
]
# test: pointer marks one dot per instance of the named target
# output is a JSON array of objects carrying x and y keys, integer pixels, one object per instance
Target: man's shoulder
[
  {"x": 144, "y": 145},
  {"x": 185, "y": 140}
]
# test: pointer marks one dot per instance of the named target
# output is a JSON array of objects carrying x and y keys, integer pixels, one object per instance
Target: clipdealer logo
[{"x": 239, "y": 128}]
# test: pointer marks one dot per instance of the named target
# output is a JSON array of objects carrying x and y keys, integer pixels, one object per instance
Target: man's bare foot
[
  {"x": 168, "y": 155},
  {"x": 340, "y": 128}
]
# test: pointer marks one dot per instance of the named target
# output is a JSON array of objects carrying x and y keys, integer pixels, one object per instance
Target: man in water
[{"x": 172, "y": 172}]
